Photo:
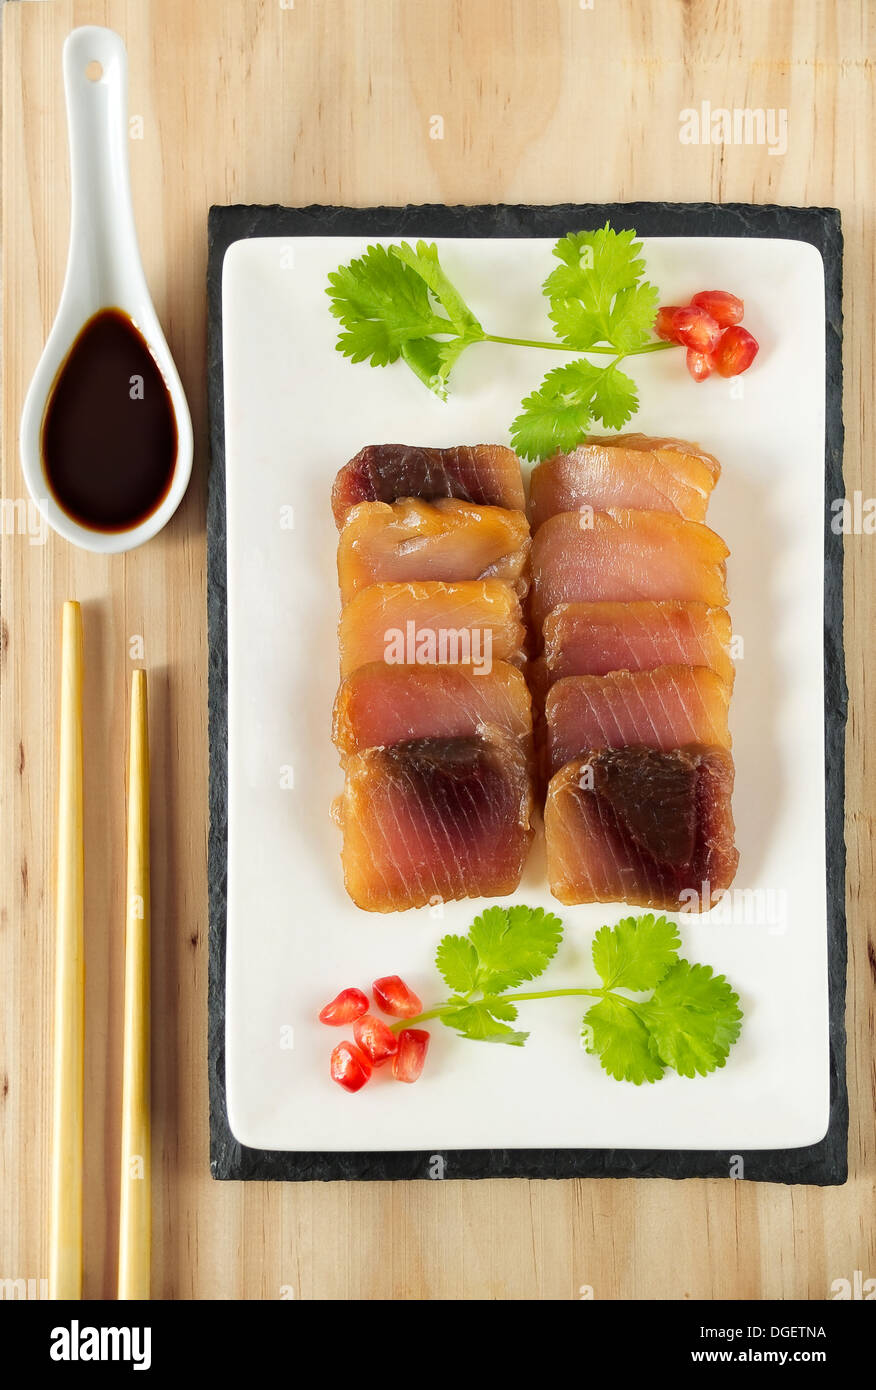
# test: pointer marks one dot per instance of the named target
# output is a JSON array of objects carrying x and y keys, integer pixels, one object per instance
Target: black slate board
[{"x": 824, "y": 1163}]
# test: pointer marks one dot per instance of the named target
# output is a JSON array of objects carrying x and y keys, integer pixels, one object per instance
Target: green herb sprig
[
  {"x": 688, "y": 1023},
  {"x": 396, "y": 302}
]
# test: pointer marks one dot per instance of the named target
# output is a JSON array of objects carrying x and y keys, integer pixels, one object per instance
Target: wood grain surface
[{"x": 330, "y": 101}]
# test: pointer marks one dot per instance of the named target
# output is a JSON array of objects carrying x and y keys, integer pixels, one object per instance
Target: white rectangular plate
[{"x": 295, "y": 411}]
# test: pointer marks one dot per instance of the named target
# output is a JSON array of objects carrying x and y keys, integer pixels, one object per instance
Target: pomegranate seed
[
  {"x": 664, "y": 324},
  {"x": 724, "y": 307},
  {"x": 696, "y": 329},
  {"x": 349, "y": 1004},
  {"x": 349, "y": 1067},
  {"x": 699, "y": 364},
  {"x": 736, "y": 351},
  {"x": 413, "y": 1044},
  {"x": 375, "y": 1038},
  {"x": 394, "y": 998}
]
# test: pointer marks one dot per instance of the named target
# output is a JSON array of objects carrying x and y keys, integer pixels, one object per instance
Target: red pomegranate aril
[
  {"x": 375, "y": 1038},
  {"x": 699, "y": 364},
  {"x": 664, "y": 324},
  {"x": 394, "y": 998},
  {"x": 408, "y": 1062},
  {"x": 349, "y": 1066},
  {"x": 696, "y": 329},
  {"x": 736, "y": 351},
  {"x": 724, "y": 307},
  {"x": 349, "y": 1004}
]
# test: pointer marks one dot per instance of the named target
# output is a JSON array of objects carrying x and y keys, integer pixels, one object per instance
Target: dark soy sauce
[{"x": 109, "y": 438}]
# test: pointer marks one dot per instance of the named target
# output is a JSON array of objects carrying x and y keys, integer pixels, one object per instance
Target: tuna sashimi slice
[
  {"x": 485, "y": 474},
  {"x": 432, "y": 622},
  {"x": 434, "y": 820},
  {"x": 446, "y": 540},
  {"x": 623, "y": 555},
  {"x": 591, "y": 639},
  {"x": 653, "y": 829},
  {"x": 380, "y": 705},
  {"x": 663, "y": 709},
  {"x": 625, "y": 470}
]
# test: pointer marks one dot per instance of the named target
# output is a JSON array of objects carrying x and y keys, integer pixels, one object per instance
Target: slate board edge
[{"x": 821, "y": 1164}]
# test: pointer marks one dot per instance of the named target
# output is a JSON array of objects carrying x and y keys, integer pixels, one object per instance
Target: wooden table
[{"x": 330, "y": 101}]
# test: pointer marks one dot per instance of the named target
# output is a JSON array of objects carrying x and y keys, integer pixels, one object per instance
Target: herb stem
[
  {"x": 602, "y": 993},
  {"x": 563, "y": 347},
  {"x": 512, "y": 998},
  {"x": 552, "y": 994},
  {"x": 439, "y": 1009},
  {"x": 536, "y": 343}
]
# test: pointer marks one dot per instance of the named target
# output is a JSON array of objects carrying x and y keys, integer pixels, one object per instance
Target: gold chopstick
[
  {"x": 135, "y": 1206},
  {"x": 65, "y": 1195}
]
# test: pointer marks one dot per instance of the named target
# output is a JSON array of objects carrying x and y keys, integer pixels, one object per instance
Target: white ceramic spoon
[{"x": 103, "y": 271}]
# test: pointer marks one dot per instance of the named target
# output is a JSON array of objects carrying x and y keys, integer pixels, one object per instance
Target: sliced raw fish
[
  {"x": 485, "y": 474},
  {"x": 625, "y": 470},
  {"x": 622, "y": 555},
  {"x": 663, "y": 709},
  {"x": 591, "y": 639},
  {"x": 432, "y": 622},
  {"x": 380, "y": 705},
  {"x": 633, "y": 825},
  {"x": 447, "y": 540},
  {"x": 433, "y": 820}
]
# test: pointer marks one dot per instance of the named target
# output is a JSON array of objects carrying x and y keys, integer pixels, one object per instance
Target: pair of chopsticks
[{"x": 135, "y": 1207}]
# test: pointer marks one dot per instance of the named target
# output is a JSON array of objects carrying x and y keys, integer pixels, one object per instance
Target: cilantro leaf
[
  {"x": 478, "y": 1022},
  {"x": 615, "y": 1033},
  {"x": 448, "y": 353},
  {"x": 591, "y": 257},
  {"x": 504, "y": 946},
  {"x": 635, "y": 953},
  {"x": 424, "y": 262},
  {"x": 432, "y": 361},
  {"x": 513, "y": 944},
  {"x": 382, "y": 304},
  {"x": 693, "y": 1018},
  {"x": 559, "y": 413},
  {"x": 596, "y": 294},
  {"x": 616, "y": 399},
  {"x": 457, "y": 961},
  {"x": 423, "y": 356},
  {"x": 500, "y": 1007},
  {"x": 632, "y": 316}
]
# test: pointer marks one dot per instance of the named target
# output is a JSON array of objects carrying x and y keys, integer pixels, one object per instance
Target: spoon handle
[{"x": 103, "y": 256}]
